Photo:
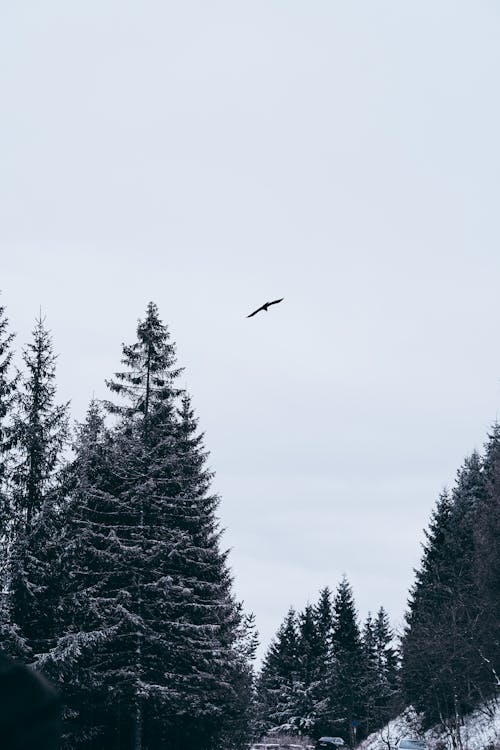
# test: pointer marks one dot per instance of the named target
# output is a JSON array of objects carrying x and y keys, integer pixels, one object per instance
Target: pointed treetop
[
  {"x": 8, "y": 382},
  {"x": 40, "y": 427},
  {"x": 345, "y": 631},
  {"x": 150, "y": 369}
]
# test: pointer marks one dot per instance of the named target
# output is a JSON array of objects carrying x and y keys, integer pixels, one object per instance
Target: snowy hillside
[{"x": 480, "y": 731}]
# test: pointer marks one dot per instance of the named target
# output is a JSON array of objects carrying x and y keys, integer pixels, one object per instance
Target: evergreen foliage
[
  {"x": 38, "y": 434},
  {"x": 381, "y": 672},
  {"x": 323, "y": 613},
  {"x": 348, "y": 650},
  {"x": 8, "y": 390},
  {"x": 387, "y": 666},
  {"x": 450, "y": 650},
  {"x": 149, "y": 644},
  {"x": 241, "y": 722},
  {"x": 115, "y": 585},
  {"x": 40, "y": 428},
  {"x": 371, "y": 675},
  {"x": 277, "y": 684},
  {"x": 8, "y": 386},
  {"x": 312, "y": 699},
  {"x": 487, "y": 571},
  {"x": 320, "y": 675}
]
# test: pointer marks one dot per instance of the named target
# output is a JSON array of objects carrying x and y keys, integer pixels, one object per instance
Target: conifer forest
[{"x": 116, "y": 583}]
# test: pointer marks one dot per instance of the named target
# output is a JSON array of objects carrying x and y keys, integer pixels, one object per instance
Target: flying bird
[{"x": 265, "y": 306}]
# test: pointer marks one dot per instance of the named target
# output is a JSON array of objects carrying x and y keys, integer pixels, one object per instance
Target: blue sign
[{"x": 355, "y": 724}]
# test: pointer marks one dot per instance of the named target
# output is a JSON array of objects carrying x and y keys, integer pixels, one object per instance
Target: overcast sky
[{"x": 212, "y": 155}]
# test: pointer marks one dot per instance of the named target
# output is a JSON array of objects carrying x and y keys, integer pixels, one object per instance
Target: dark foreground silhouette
[{"x": 29, "y": 709}]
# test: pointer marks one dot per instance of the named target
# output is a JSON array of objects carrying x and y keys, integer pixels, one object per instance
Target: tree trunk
[{"x": 138, "y": 724}]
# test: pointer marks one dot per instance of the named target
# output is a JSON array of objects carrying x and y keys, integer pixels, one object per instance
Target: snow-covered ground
[{"x": 480, "y": 731}]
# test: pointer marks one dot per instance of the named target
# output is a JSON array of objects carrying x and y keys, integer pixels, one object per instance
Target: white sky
[{"x": 212, "y": 155}]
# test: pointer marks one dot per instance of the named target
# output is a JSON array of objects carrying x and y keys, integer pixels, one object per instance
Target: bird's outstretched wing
[
  {"x": 256, "y": 311},
  {"x": 265, "y": 306}
]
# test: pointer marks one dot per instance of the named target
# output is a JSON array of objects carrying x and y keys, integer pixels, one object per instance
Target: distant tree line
[
  {"x": 323, "y": 674},
  {"x": 114, "y": 584}
]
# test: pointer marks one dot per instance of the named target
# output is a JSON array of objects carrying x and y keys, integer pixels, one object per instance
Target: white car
[
  {"x": 408, "y": 743},
  {"x": 329, "y": 742}
]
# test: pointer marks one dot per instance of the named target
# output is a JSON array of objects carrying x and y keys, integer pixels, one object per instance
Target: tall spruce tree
[
  {"x": 421, "y": 663},
  {"x": 241, "y": 722},
  {"x": 39, "y": 433},
  {"x": 277, "y": 699},
  {"x": 86, "y": 611},
  {"x": 348, "y": 653},
  {"x": 323, "y": 613},
  {"x": 312, "y": 703},
  {"x": 486, "y": 579},
  {"x": 380, "y": 676},
  {"x": 157, "y": 629},
  {"x": 387, "y": 664},
  {"x": 40, "y": 427},
  {"x": 8, "y": 385},
  {"x": 441, "y": 670},
  {"x": 370, "y": 676}
]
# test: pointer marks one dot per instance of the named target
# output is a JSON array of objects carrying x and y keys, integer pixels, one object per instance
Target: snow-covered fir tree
[
  {"x": 241, "y": 723},
  {"x": 277, "y": 694},
  {"x": 40, "y": 427},
  {"x": 387, "y": 667},
  {"x": 443, "y": 673},
  {"x": 38, "y": 434},
  {"x": 85, "y": 539},
  {"x": 487, "y": 572},
  {"x": 348, "y": 654},
  {"x": 323, "y": 613},
  {"x": 320, "y": 674},
  {"x": 311, "y": 686},
  {"x": 370, "y": 676},
  {"x": 420, "y": 659},
  {"x": 154, "y": 638},
  {"x": 381, "y": 676},
  {"x": 8, "y": 384}
]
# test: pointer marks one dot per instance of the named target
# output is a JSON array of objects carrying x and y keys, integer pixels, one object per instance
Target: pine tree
[
  {"x": 157, "y": 628},
  {"x": 320, "y": 674},
  {"x": 441, "y": 671},
  {"x": 348, "y": 653},
  {"x": 8, "y": 386},
  {"x": 380, "y": 674},
  {"x": 39, "y": 433},
  {"x": 324, "y": 619},
  {"x": 150, "y": 372},
  {"x": 387, "y": 665},
  {"x": 421, "y": 663},
  {"x": 277, "y": 683},
  {"x": 40, "y": 428},
  {"x": 241, "y": 723},
  {"x": 486, "y": 575},
  {"x": 312, "y": 703},
  {"x": 86, "y": 618},
  {"x": 323, "y": 614},
  {"x": 370, "y": 676}
]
